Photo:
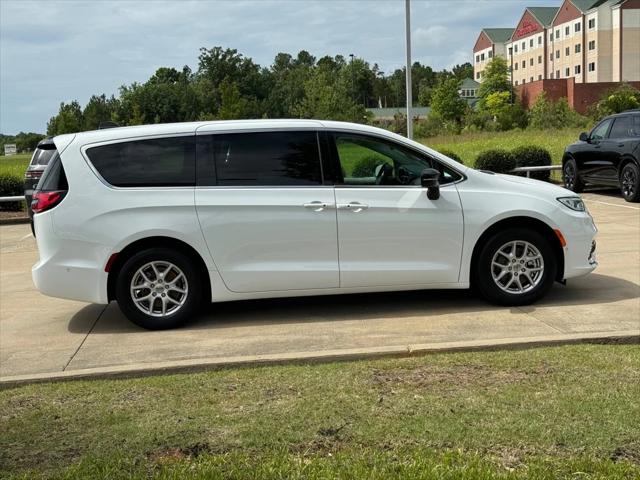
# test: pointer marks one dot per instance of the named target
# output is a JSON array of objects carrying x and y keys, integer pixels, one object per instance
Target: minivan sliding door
[{"x": 268, "y": 220}]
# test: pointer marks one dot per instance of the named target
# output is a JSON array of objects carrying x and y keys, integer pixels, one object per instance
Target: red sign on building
[{"x": 526, "y": 28}]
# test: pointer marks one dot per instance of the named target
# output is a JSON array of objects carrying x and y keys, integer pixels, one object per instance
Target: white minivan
[{"x": 162, "y": 218}]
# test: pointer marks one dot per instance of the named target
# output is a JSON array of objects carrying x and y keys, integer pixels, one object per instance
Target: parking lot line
[{"x": 612, "y": 204}]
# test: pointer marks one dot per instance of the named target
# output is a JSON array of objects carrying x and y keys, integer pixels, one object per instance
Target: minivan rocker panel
[{"x": 164, "y": 217}]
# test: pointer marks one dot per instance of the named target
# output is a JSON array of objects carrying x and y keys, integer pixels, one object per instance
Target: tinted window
[
  {"x": 371, "y": 161},
  {"x": 599, "y": 132},
  {"x": 53, "y": 177},
  {"x": 146, "y": 163},
  {"x": 42, "y": 157},
  {"x": 264, "y": 158},
  {"x": 623, "y": 127}
]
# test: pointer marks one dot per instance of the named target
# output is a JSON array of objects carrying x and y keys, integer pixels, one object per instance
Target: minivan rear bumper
[{"x": 68, "y": 268}]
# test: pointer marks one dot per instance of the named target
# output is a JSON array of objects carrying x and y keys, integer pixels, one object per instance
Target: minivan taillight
[{"x": 43, "y": 201}]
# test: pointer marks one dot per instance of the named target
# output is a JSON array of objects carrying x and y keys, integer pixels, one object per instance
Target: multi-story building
[
  {"x": 490, "y": 42},
  {"x": 595, "y": 43}
]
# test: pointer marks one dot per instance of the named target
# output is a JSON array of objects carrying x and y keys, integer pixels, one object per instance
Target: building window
[
  {"x": 539, "y": 77},
  {"x": 524, "y": 80},
  {"x": 490, "y": 54},
  {"x": 576, "y": 69},
  {"x": 557, "y": 53},
  {"x": 592, "y": 23},
  {"x": 482, "y": 57},
  {"x": 592, "y": 45},
  {"x": 552, "y": 75},
  {"x": 531, "y": 61},
  {"x": 515, "y": 48},
  {"x": 551, "y": 36},
  {"x": 551, "y": 57},
  {"x": 477, "y": 58},
  {"x": 524, "y": 44},
  {"x": 531, "y": 79},
  {"x": 531, "y": 43},
  {"x": 477, "y": 75},
  {"x": 524, "y": 63},
  {"x": 567, "y": 72},
  {"x": 577, "y": 27},
  {"x": 567, "y": 51},
  {"x": 557, "y": 33},
  {"x": 539, "y": 39},
  {"x": 578, "y": 48},
  {"x": 592, "y": 67},
  {"x": 516, "y": 83},
  {"x": 515, "y": 66},
  {"x": 567, "y": 30},
  {"x": 557, "y": 73}
]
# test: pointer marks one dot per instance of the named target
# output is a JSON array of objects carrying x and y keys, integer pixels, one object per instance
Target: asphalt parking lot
[{"x": 42, "y": 337}]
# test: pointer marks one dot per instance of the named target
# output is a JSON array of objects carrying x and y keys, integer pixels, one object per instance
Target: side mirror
[
  {"x": 429, "y": 179},
  {"x": 584, "y": 137}
]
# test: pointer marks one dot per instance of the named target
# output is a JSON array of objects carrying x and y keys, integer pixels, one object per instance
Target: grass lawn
[
  {"x": 469, "y": 145},
  {"x": 568, "y": 412},
  {"x": 15, "y": 164}
]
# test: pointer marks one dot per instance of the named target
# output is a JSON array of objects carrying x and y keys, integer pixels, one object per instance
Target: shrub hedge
[
  {"x": 496, "y": 160},
  {"x": 531, "y": 156},
  {"x": 451, "y": 155},
  {"x": 11, "y": 186}
]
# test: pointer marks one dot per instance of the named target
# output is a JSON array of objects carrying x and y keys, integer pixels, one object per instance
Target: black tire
[
  {"x": 570, "y": 176},
  {"x": 630, "y": 182},
  {"x": 190, "y": 303},
  {"x": 483, "y": 279}
]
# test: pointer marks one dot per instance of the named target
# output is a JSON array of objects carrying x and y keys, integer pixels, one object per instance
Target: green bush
[
  {"x": 452, "y": 155},
  {"x": 619, "y": 99},
  {"x": 496, "y": 160},
  {"x": 545, "y": 115},
  {"x": 366, "y": 167},
  {"x": 532, "y": 156},
  {"x": 11, "y": 186}
]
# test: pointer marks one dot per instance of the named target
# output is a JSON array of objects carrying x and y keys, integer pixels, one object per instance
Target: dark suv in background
[
  {"x": 43, "y": 153},
  {"x": 608, "y": 156}
]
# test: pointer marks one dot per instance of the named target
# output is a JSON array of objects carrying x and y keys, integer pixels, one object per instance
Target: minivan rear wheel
[
  {"x": 515, "y": 267},
  {"x": 158, "y": 288}
]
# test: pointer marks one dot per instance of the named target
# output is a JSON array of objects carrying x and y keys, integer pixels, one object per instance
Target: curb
[
  {"x": 203, "y": 364},
  {"x": 14, "y": 221}
]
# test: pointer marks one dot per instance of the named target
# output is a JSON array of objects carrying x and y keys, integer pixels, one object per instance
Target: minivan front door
[
  {"x": 389, "y": 232},
  {"x": 268, "y": 220}
]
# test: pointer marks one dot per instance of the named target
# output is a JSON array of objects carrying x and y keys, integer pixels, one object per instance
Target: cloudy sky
[{"x": 63, "y": 50}]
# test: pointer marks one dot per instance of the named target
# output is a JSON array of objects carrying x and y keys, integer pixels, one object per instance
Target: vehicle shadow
[{"x": 592, "y": 289}]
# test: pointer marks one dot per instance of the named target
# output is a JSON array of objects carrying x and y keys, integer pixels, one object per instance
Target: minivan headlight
[{"x": 574, "y": 203}]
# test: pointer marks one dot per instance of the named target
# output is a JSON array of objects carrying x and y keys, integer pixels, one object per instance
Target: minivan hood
[{"x": 529, "y": 186}]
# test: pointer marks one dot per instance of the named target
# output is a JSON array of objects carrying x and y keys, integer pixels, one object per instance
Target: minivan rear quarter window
[
  {"x": 159, "y": 162},
  {"x": 287, "y": 158}
]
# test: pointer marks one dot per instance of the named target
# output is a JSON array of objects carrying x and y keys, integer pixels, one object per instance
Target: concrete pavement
[{"x": 42, "y": 337}]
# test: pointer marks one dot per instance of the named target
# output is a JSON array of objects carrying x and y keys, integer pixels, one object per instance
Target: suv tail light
[
  {"x": 43, "y": 201},
  {"x": 33, "y": 174}
]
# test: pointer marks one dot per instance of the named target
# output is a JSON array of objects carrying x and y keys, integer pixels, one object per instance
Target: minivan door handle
[
  {"x": 317, "y": 206},
  {"x": 355, "y": 207}
]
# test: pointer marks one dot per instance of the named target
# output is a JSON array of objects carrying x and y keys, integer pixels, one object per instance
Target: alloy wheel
[
  {"x": 517, "y": 267},
  {"x": 628, "y": 182},
  {"x": 159, "y": 288},
  {"x": 569, "y": 176}
]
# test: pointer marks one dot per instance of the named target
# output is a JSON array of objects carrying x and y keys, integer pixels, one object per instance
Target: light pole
[
  {"x": 407, "y": 22},
  {"x": 353, "y": 84}
]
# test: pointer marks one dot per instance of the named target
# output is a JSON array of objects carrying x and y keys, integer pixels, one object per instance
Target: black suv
[
  {"x": 43, "y": 153},
  {"x": 607, "y": 156}
]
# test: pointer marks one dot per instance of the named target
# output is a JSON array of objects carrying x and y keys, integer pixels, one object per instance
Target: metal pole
[{"x": 408, "y": 38}]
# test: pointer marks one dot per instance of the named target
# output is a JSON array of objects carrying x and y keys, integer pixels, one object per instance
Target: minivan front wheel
[
  {"x": 515, "y": 267},
  {"x": 158, "y": 288}
]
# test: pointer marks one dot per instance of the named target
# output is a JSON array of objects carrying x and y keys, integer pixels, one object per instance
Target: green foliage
[
  {"x": 496, "y": 79},
  {"x": 451, "y": 155},
  {"x": 10, "y": 186},
  {"x": 533, "y": 156},
  {"x": 25, "y": 141},
  {"x": 366, "y": 167},
  {"x": 545, "y": 114},
  {"x": 68, "y": 119},
  {"x": 624, "y": 97},
  {"x": 446, "y": 102},
  {"x": 507, "y": 115},
  {"x": 496, "y": 160}
]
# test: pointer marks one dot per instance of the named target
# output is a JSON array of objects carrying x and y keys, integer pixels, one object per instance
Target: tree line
[{"x": 229, "y": 85}]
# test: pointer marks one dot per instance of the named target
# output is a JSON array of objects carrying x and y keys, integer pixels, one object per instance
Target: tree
[
  {"x": 622, "y": 98},
  {"x": 463, "y": 71},
  {"x": 496, "y": 79},
  {"x": 97, "y": 110},
  {"x": 446, "y": 101},
  {"x": 68, "y": 119}
]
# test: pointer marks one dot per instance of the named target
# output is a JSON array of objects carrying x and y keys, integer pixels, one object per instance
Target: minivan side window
[
  {"x": 281, "y": 158},
  {"x": 368, "y": 160},
  {"x": 158, "y": 162}
]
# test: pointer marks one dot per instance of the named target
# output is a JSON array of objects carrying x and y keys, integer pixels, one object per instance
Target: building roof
[
  {"x": 498, "y": 35},
  {"x": 545, "y": 15},
  {"x": 584, "y": 5},
  {"x": 469, "y": 84}
]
